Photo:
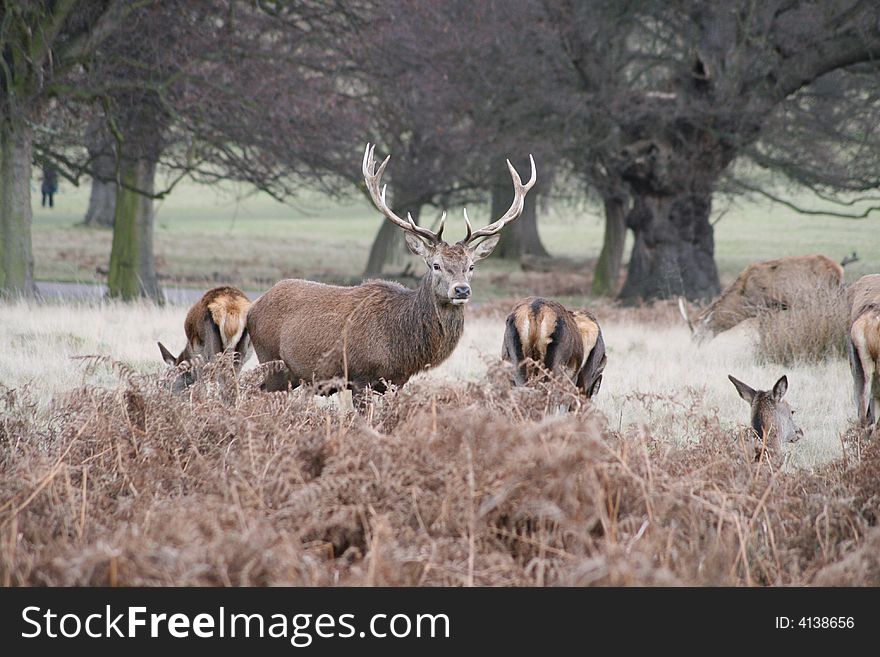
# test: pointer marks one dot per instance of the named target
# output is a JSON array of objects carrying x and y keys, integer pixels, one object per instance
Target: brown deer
[
  {"x": 379, "y": 332},
  {"x": 563, "y": 341},
  {"x": 215, "y": 324},
  {"x": 762, "y": 285},
  {"x": 864, "y": 346},
  {"x": 772, "y": 417}
]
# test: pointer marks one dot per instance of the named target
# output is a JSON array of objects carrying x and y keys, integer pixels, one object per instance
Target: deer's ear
[
  {"x": 780, "y": 388},
  {"x": 484, "y": 248},
  {"x": 417, "y": 245},
  {"x": 747, "y": 393},
  {"x": 167, "y": 356}
]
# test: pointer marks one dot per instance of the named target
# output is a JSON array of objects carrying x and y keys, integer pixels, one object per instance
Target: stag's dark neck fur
[{"x": 425, "y": 330}]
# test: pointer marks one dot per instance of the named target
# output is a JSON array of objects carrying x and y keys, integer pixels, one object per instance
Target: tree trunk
[
  {"x": 132, "y": 264},
  {"x": 16, "y": 255},
  {"x": 521, "y": 237},
  {"x": 388, "y": 247},
  {"x": 102, "y": 204},
  {"x": 674, "y": 247},
  {"x": 102, "y": 201},
  {"x": 607, "y": 274}
]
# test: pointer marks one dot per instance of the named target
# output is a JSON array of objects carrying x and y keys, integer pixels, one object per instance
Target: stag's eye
[
  {"x": 471, "y": 268},
  {"x": 436, "y": 267}
]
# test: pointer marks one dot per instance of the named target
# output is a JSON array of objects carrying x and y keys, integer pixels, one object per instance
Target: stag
[
  {"x": 770, "y": 284},
  {"x": 215, "y": 324},
  {"x": 563, "y": 341},
  {"x": 772, "y": 417},
  {"x": 380, "y": 332},
  {"x": 864, "y": 346}
]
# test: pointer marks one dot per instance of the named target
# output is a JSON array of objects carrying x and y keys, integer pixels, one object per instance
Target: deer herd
[{"x": 380, "y": 333}]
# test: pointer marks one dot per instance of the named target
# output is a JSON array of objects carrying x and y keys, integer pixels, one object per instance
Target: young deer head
[
  {"x": 771, "y": 414},
  {"x": 450, "y": 267}
]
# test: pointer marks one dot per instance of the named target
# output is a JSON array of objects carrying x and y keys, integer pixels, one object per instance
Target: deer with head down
[
  {"x": 214, "y": 324},
  {"x": 565, "y": 342},
  {"x": 772, "y": 417},
  {"x": 379, "y": 332},
  {"x": 763, "y": 285}
]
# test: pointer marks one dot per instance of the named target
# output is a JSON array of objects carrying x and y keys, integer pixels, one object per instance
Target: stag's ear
[
  {"x": 417, "y": 245},
  {"x": 780, "y": 388},
  {"x": 747, "y": 393},
  {"x": 167, "y": 356},
  {"x": 484, "y": 248}
]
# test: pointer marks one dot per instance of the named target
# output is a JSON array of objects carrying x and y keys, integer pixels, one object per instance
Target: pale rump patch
[
  {"x": 547, "y": 321},
  {"x": 865, "y": 335},
  {"x": 524, "y": 326},
  {"x": 229, "y": 314},
  {"x": 589, "y": 331}
]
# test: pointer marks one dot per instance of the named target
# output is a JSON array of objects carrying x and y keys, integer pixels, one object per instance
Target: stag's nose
[{"x": 462, "y": 291}]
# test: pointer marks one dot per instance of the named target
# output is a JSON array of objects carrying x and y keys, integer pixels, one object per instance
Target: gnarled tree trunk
[
  {"x": 607, "y": 274},
  {"x": 102, "y": 200},
  {"x": 674, "y": 248},
  {"x": 16, "y": 255}
]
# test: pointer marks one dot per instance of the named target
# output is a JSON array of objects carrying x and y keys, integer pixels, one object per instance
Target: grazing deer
[
  {"x": 772, "y": 417},
  {"x": 864, "y": 346},
  {"x": 563, "y": 341},
  {"x": 379, "y": 332},
  {"x": 762, "y": 285},
  {"x": 215, "y": 324}
]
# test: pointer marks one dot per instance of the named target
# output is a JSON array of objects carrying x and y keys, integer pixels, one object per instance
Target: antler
[
  {"x": 372, "y": 178},
  {"x": 516, "y": 208}
]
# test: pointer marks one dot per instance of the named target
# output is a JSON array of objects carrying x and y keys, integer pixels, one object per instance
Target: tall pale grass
[{"x": 655, "y": 372}]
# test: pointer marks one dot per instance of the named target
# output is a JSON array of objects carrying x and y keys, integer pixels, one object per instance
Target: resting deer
[
  {"x": 760, "y": 285},
  {"x": 215, "y": 324},
  {"x": 565, "y": 342},
  {"x": 772, "y": 417},
  {"x": 379, "y": 332},
  {"x": 864, "y": 346}
]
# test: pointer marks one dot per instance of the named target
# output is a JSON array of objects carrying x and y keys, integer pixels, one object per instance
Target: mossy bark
[
  {"x": 132, "y": 263},
  {"x": 16, "y": 254},
  {"x": 607, "y": 274}
]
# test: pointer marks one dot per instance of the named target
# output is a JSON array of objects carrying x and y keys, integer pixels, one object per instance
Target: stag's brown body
[
  {"x": 864, "y": 346},
  {"x": 214, "y": 324},
  {"x": 563, "y": 341},
  {"x": 765, "y": 284},
  {"x": 376, "y": 331}
]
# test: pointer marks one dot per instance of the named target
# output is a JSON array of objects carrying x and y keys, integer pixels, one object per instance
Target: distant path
[{"x": 181, "y": 296}]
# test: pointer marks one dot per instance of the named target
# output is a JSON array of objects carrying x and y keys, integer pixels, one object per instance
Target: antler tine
[
  {"x": 372, "y": 178},
  {"x": 516, "y": 208},
  {"x": 442, "y": 224},
  {"x": 470, "y": 230}
]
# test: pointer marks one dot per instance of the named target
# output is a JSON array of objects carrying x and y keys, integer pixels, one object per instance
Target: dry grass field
[
  {"x": 106, "y": 478},
  {"x": 456, "y": 479}
]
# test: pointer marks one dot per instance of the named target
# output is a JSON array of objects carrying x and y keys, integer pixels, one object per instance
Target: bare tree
[
  {"x": 696, "y": 87},
  {"x": 41, "y": 41}
]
